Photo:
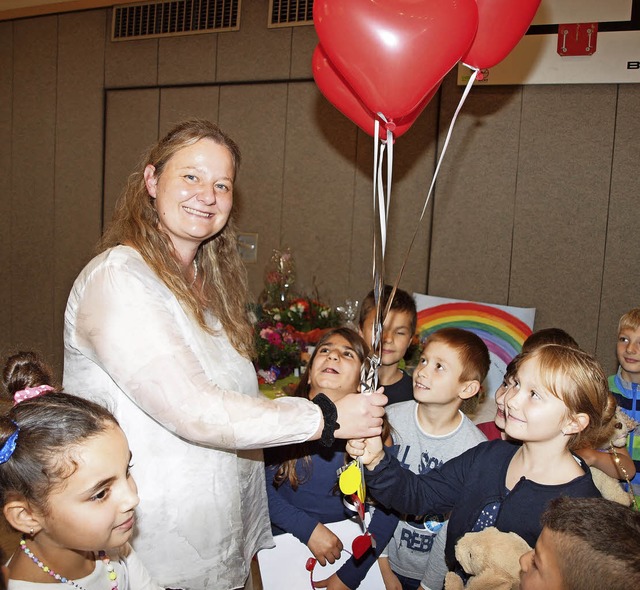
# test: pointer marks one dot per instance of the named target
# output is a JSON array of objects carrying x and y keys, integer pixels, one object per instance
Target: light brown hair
[
  {"x": 225, "y": 291},
  {"x": 576, "y": 378}
]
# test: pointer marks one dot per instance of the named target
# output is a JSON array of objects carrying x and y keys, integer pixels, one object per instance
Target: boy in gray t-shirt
[{"x": 428, "y": 432}]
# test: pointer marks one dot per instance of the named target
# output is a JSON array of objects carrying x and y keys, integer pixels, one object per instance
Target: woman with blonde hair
[{"x": 157, "y": 326}]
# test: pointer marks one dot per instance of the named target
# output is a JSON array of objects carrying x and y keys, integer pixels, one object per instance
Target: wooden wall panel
[
  {"x": 621, "y": 277},
  {"x": 255, "y": 117},
  {"x": 130, "y": 63},
  {"x": 178, "y": 104},
  {"x": 318, "y": 192},
  {"x": 254, "y": 52},
  {"x": 190, "y": 59},
  {"x": 132, "y": 120},
  {"x": 79, "y": 145},
  {"x": 475, "y": 194},
  {"x": 32, "y": 193},
  {"x": 303, "y": 42},
  {"x": 561, "y": 205},
  {"x": 6, "y": 107}
]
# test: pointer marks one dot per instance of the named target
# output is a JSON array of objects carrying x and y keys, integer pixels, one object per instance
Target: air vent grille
[
  {"x": 290, "y": 13},
  {"x": 174, "y": 17}
]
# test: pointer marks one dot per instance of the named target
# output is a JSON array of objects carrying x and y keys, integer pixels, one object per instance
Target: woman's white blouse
[{"x": 190, "y": 407}]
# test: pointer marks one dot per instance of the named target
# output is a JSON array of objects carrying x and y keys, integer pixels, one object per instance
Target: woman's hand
[
  {"x": 369, "y": 450},
  {"x": 325, "y": 546},
  {"x": 360, "y": 415}
]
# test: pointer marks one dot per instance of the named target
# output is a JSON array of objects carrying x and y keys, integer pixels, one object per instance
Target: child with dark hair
[
  {"x": 302, "y": 478},
  {"x": 398, "y": 328},
  {"x": 65, "y": 484},
  {"x": 585, "y": 544}
]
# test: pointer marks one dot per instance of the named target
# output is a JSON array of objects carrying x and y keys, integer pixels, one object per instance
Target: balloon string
[{"x": 467, "y": 89}]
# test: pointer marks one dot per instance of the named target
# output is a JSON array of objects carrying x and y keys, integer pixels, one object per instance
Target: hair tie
[
  {"x": 9, "y": 446},
  {"x": 29, "y": 392}
]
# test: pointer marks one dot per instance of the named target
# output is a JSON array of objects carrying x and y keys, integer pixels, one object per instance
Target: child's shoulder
[{"x": 401, "y": 409}]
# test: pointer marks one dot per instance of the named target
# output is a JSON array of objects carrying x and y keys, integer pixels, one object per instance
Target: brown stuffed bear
[{"x": 491, "y": 557}]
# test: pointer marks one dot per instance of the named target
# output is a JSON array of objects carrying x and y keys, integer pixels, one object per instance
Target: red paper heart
[
  {"x": 393, "y": 52},
  {"x": 361, "y": 544}
]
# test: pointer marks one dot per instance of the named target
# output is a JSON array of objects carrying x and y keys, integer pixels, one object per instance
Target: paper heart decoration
[
  {"x": 361, "y": 544},
  {"x": 392, "y": 53}
]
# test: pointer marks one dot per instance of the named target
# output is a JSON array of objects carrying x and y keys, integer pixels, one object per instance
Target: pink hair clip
[{"x": 29, "y": 392}]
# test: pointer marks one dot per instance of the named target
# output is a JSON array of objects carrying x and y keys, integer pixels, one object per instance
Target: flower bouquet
[
  {"x": 278, "y": 350},
  {"x": 308, "y": 317}
]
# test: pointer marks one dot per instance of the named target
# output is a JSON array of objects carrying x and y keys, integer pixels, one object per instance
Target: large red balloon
[
  {"x": 393, "y": 52},
  {"x": 501, "y": 24},
  {"x": 338, "y": 93}
]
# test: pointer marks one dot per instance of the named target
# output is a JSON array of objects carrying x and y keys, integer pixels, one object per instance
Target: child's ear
[
  {"x": 576, "y": 423},
  {"x": 470, "y": 389},
  {"x": 21, "y": 516}
]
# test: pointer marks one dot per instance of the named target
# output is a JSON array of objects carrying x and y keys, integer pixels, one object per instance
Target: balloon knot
[{"x": 390, "y": 126}]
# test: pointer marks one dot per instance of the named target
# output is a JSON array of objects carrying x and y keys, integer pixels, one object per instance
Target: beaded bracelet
[
  {"x": 621, "y": 469},
  {"x": 330, "y": 415}
]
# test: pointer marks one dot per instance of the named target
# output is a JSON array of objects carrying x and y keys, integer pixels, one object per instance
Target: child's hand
[
  {"x": 367, "y": 449},
  {"x": 332, "y": 582},
  {"x": 324, "y": 545},
  {"x": 391, "y": 581}
]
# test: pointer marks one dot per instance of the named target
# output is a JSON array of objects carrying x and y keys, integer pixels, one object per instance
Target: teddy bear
[
  {"x": 610, "y": 488},
  {"x": 491, "y": 557}
]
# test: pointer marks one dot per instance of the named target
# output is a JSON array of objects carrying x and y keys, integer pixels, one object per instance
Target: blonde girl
[{"x": 557, "y": 402}]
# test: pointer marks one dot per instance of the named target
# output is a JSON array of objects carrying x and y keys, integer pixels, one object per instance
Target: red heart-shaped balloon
[
  {"x": 501, "y": 25},
  {"x": 340, "y": 95},
  {"x": 393, "y": 52}
]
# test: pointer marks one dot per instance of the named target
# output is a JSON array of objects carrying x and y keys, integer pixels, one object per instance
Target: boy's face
[
  {"x": 540, "y": 569},
  {"x": 436, "y": 379},
  {"x": 396, "y": 335},
  {"x": 628, "y": 351}
]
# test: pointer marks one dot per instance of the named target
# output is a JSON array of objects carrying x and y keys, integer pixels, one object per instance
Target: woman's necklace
[
  {"x": 195, "y": 272},
  {"x": 111, "y": 573}
]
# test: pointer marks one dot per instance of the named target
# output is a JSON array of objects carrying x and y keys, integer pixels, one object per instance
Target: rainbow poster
[{"x": 502, "y": 328}]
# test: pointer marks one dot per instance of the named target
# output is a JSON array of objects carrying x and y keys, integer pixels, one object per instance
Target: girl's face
[
  {"x": 335, "y": 370},
  {"x": 533, "y": 413},
  {"x": 194, "y": 193},
  {"x": 501, "y": 392},
  {"x": 93, "y": 509}
]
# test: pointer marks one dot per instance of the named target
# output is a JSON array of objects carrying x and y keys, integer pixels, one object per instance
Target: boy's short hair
[
  {"x": 630, "y": 320},
  {"x": 472, "y": 351},
  {"x": 598, "y": 542},
  {"x": 548, "y": 336},
  {"x": 402, "y": 301}
]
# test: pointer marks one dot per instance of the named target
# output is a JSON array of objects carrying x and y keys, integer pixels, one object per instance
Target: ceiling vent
[
  {"x": 290, "y": 13},
  {"x": 174, "y": 17}
]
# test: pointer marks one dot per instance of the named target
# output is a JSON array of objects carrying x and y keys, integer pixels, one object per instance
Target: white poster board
[
  {"x": 502, "y": 328},
  {"x": 283, "y": 567}
]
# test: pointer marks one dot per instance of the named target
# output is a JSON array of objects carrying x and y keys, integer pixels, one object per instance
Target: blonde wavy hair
[
  {"x": 576, "y": 378},
  {"x": 224, "y": 291}
]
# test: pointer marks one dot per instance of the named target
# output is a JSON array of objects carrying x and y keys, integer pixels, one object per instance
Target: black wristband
[{"x": 330, "y": 415}]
